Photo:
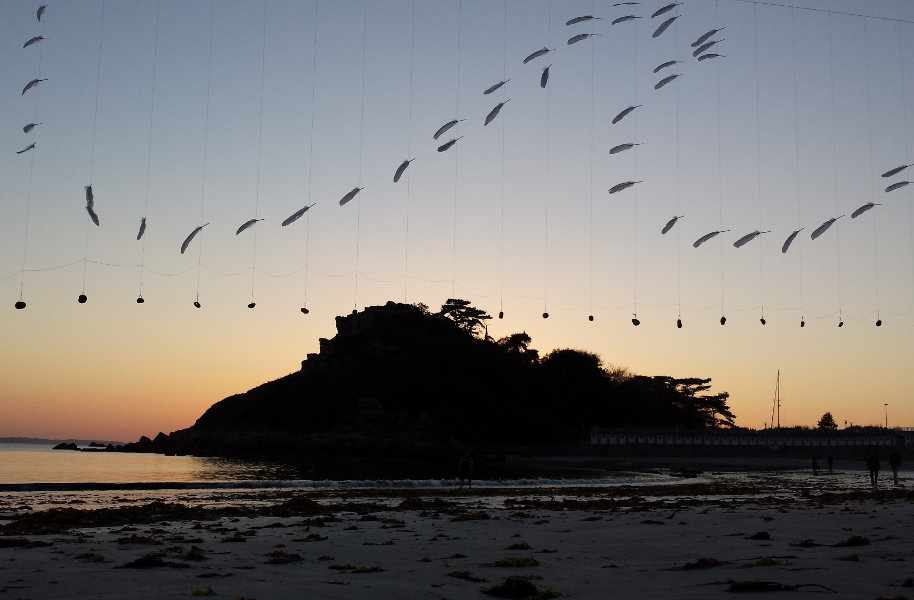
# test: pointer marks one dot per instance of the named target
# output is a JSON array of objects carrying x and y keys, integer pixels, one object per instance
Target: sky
[{"x": 217, "y": 112}]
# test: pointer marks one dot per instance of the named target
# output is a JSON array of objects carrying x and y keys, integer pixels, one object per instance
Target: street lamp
[{"x": 886, "y": 415}]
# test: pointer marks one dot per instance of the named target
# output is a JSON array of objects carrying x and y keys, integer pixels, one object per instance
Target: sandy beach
[{"x": 699, "y": 539}]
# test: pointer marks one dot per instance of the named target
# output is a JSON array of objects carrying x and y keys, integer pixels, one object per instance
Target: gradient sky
[{"x": 793, "y": 126}]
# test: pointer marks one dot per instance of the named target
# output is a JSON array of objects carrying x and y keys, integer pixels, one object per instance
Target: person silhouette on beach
[
  {"x": 872, "y": 464},
  {"x": 895, "y": 462},
  {"x": 465, "y": 470},
  {"x": 815, "y": 466},
  {"x": 831, "y": 463}
]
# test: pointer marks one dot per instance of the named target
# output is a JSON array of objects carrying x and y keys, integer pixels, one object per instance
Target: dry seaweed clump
[{"x": 521, "y": 589}]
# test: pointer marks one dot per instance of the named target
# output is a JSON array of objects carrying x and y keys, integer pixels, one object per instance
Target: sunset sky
[{"x": 190, "y": 112}]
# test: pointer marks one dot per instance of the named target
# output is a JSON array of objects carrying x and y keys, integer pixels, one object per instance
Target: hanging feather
[
  {"x": 669, "y": 224},
  {"x": 790, "y": 239},
  {"x": 863, "y": 209},
  {"x": 623, "y": 114},
  {"x": 350, "y": 195},
  {"x": 496, "y": 86},
  {"x": 624, "y": 19},
  {"x": 665, "y": 9},
  {"x": 445, "y": 127},
  {"x": 707, "y": 237},
  {"x": 668, "y": 63},
  {"x": 399, "y": 172},
  {"x": 580, "y": 37},
  {"x": 92, "y": 214},
  {"x": 709, "y": 55},
  {"x": 139, "y": 235},
  {"x": 622, "y": 147},
  {"x": 577, "y": 20},
  {"x": 621, "y": 186},
  {"x": 447, "y": 146},
  {"x": 544, "y": 78},
  {"x": 541, "y": 52},
  {"x": 701, "y": 40},
  {"x": 40, "y": 12},
  {"x": 296, "y": 215},
  {"x": 190, "y": 238},
  {"x": 26, "y": 149},
  {"x": 90, "y": 197},
  {"x": 666, "y": 80},
  {"x": 626, "y": 3},
  {"x": 33, "y": 40},
  {"x": 246, "y": 225},
  {"x": 704, "y": 47},
  {"x": 748, "y": 238},
  {"x": 29, "y": 126},
  {"x": 895, "y": 186},
  {"x": 895, "y": 171},
  {"x": 824, "y": 227},
  {"x": 663, "y": 26},
  {"x": 494, "y": 113},
  {"x": 31, "y": 84}
]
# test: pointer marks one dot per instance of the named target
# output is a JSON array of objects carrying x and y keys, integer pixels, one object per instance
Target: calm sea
[{"x": 34, "y": 476}]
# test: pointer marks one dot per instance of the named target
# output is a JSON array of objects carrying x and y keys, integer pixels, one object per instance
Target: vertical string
[
  {"x": 593, "y": 126},
  {"x": 677, "y": 198},
  {"x": 28, "y": 204},
  {"x": 98, "y": 79},
  {"x": 796, "y": 137},
  {"x": 358, "y": 213},
  {"x": 546, "y": 194},
  {"x": 209, "y": 81},
  {"x": 310, "y": 158},
  {"x": 409, "y": 144},
  {"x": 456, "y": 156},
  {"x": 720, "y": 178},
  {"x": 263, "y": 68},
  {"x": 834, "y": 150},
  {"x": 758, "y": 158},
  {"x": 635, "y": 177},
  {"x": 152, "y": 103},
  {"x": 501, "y": 246},
  {"x": 869, "y": 124}
]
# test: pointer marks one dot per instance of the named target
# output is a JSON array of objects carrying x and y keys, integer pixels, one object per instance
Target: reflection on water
[{"x": 33, "y": 463}]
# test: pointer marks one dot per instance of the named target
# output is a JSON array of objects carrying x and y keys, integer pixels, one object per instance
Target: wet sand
[{"x": 698, "y": 539}]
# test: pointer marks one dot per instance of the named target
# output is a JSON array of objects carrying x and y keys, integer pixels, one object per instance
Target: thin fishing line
[
  {"x": 758, "y": 157},
  {"x": 456, "y": 154},
  {"x": 834, "y": 150},
  {"x": 869, "y": 125},
  {"x": 593, "y": 126},
  {"x": 676, "y": 195},
  {"x": 209, "y": 81},
  {"x": 635, "y": 173},
  {"x": 796, "y": 137},
  {"x": 263, "y": 69},
  {"x": 720, "y": 175},
  {"x": 358, "y": 212},
  {"x": 546, "y": 195},
  {"x": 409, "y": 146},
  {"x": 98, "y": 79},
  {"x": 501, "y": 224},
  {"x": 310, "y": 153},
  {"x": 28, "y": 202},
  {"x": 824, "y": 10},
  {"x": 152, "y": 102}
]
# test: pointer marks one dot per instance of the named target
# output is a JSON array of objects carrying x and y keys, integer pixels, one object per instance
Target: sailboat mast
[{"x": 777, "y": 397}]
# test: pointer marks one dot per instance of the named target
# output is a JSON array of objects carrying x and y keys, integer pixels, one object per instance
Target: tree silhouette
[
  {"x": 827, "y": 423},
  {"x": 467, "y": 317}
]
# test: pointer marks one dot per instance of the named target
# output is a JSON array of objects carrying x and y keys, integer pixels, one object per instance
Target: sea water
[{"x": 35, "y": 477}]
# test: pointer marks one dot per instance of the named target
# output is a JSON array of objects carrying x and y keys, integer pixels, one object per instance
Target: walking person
[{"x": 895, "y": 462}]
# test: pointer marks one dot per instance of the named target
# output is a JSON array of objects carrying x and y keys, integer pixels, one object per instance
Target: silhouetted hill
[{"x": 399, "y": 381}]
